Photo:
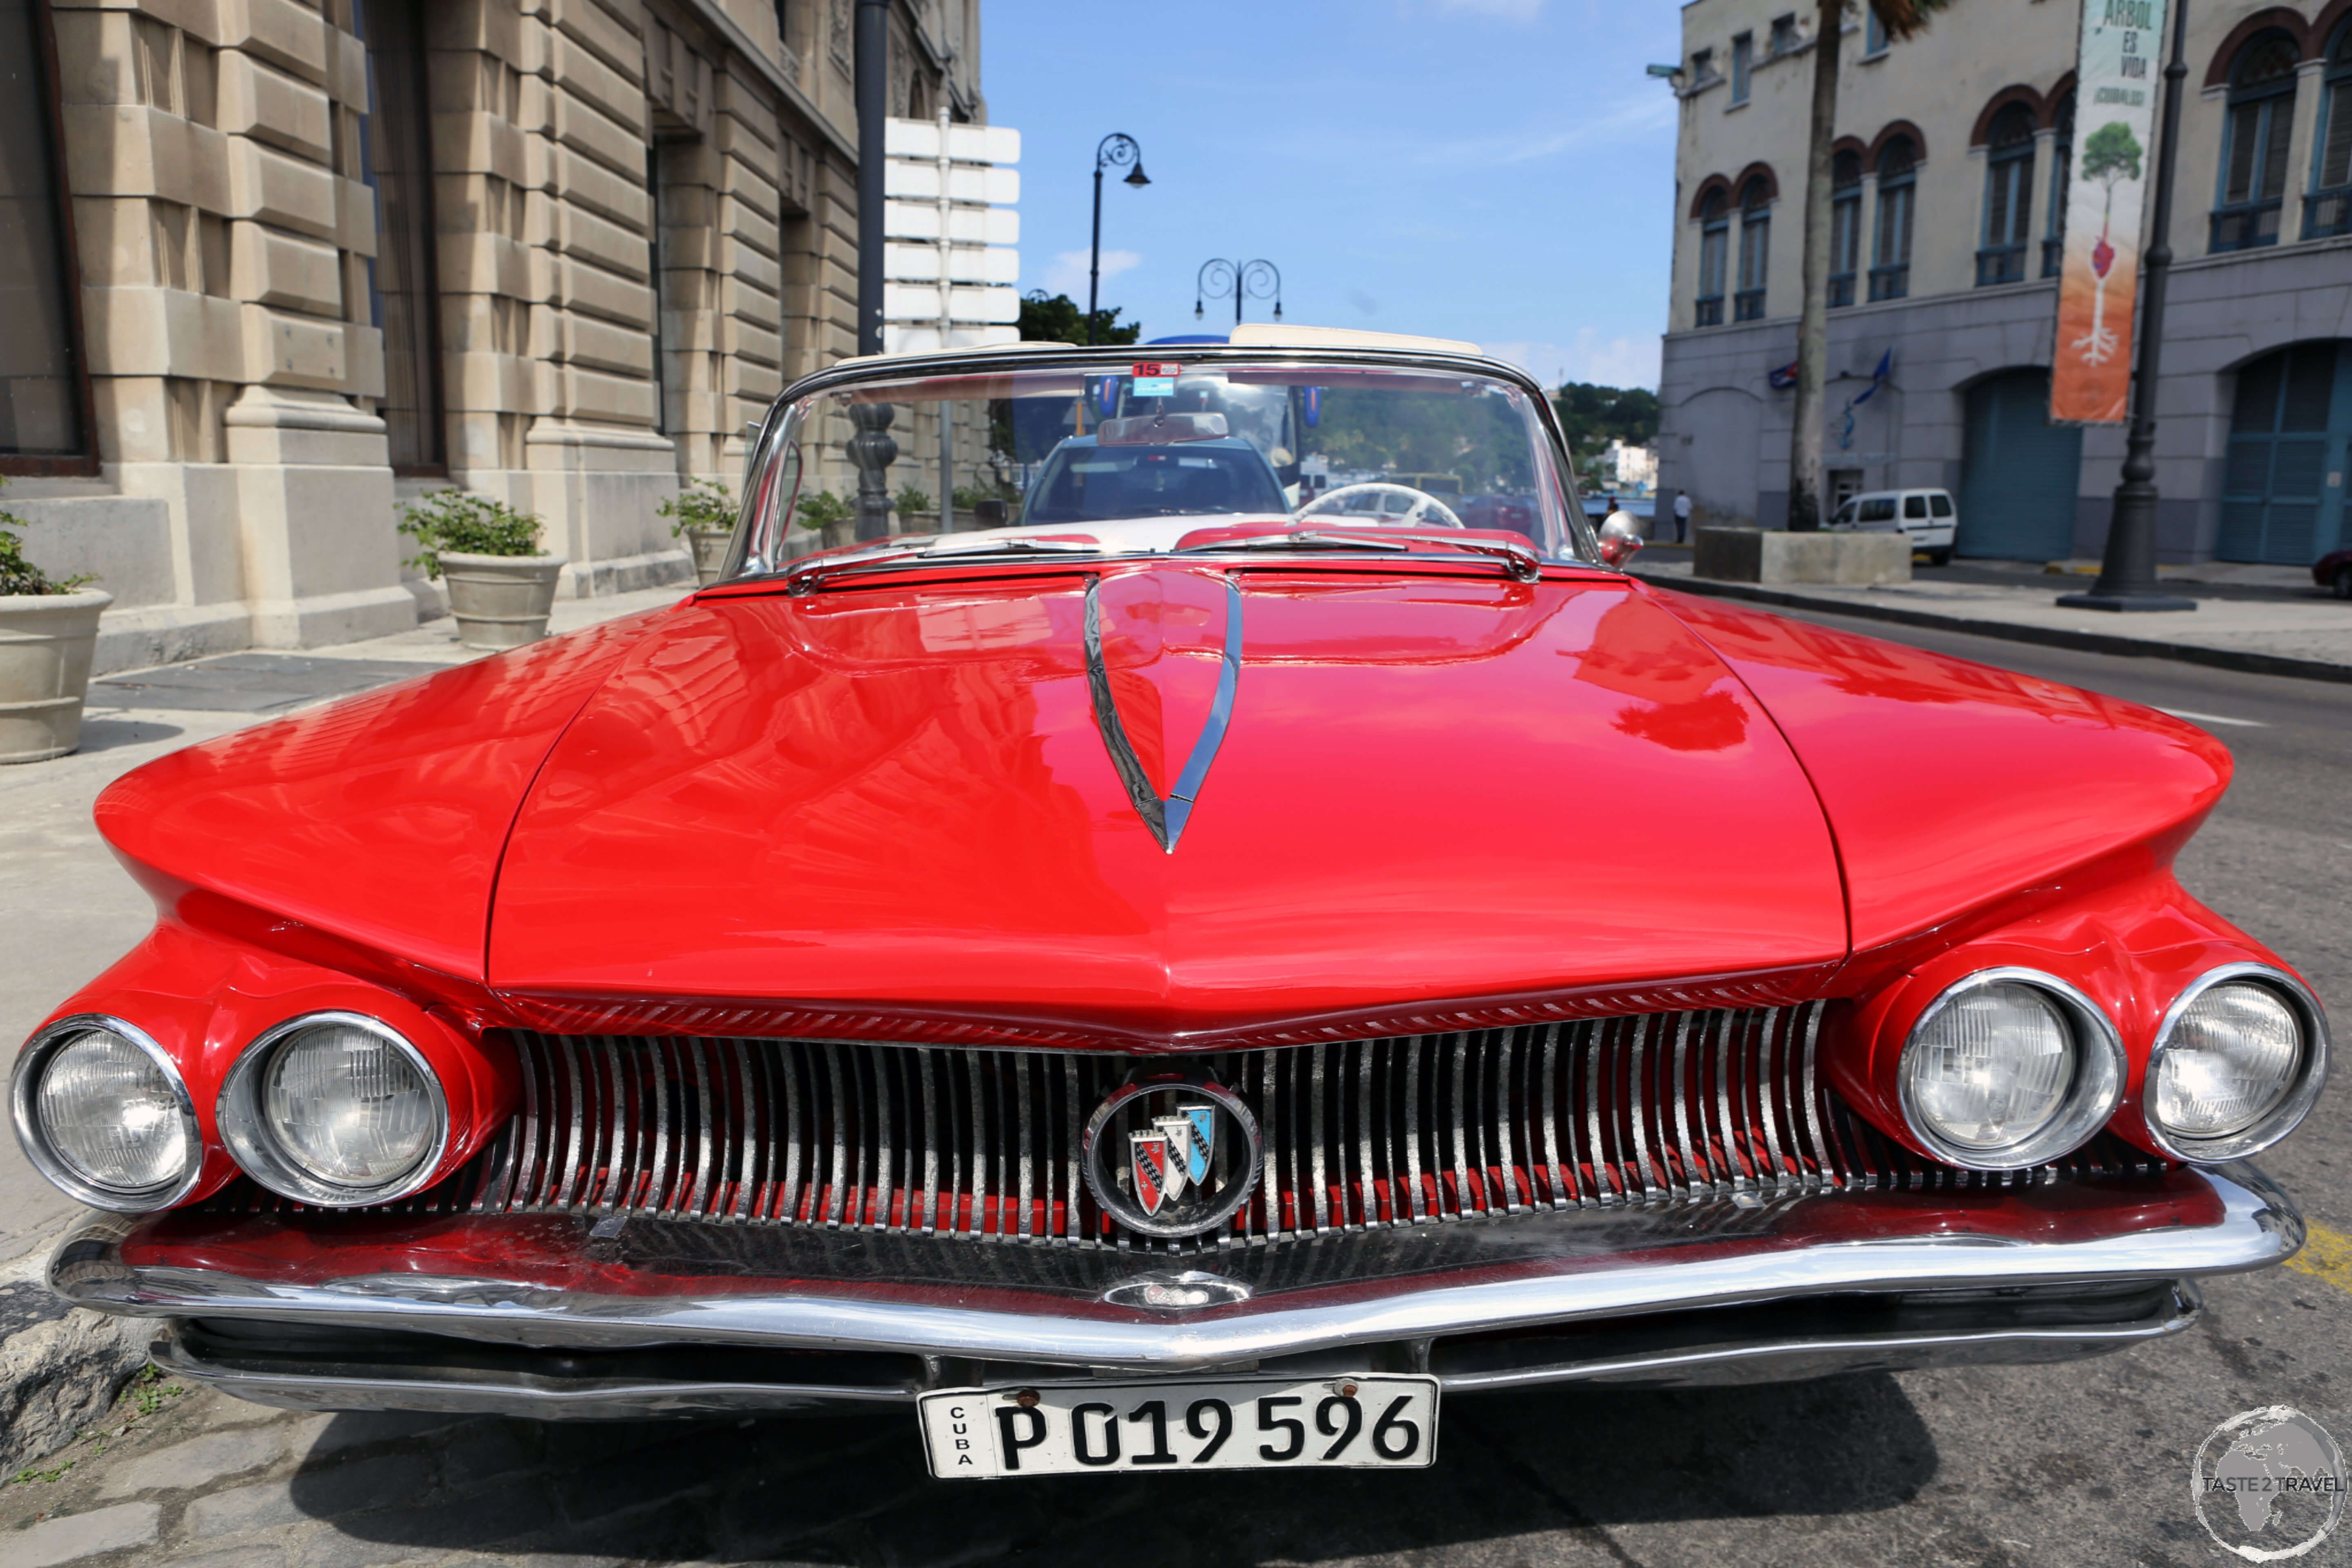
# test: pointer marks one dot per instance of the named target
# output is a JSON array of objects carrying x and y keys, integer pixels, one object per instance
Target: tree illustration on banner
[{"x": 2109, "y": 155}]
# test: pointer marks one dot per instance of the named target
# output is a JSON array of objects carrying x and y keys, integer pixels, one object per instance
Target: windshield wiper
[
  {"x": 1520, "y": 560},
  {"x": 803, "y": 576}
]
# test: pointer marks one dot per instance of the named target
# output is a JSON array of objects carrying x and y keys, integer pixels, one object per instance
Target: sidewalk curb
[
  {"x": 61, "y": 1367},
  {"x": 2050, "y": 636}
]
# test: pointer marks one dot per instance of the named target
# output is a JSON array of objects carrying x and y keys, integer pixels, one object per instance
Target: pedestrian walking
[{"x": 1682, "y": 514}]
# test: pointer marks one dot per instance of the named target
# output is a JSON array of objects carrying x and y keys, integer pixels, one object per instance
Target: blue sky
[{"x": 1496, "y": 169}]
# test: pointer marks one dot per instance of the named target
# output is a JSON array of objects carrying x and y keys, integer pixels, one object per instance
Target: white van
[{"x": 1925, "y": 515}]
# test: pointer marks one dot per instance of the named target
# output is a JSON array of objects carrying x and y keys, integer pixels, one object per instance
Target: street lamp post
[
  {"x": 1117, "y": 151},
  {"x": 1242, "y": 279},
  {"x": 2127, "y": 569}
]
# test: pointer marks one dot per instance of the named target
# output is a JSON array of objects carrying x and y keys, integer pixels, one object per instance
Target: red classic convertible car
[{"x": 1173, "y": 978}]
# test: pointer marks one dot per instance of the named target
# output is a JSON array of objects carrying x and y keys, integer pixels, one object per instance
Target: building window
[
  {"x": 1743, "y": 65},
  {"x": 406, "y": 301},
  {"x": 1714, "y": 243},
  {"x": 44, "y": 414},
  {"x": 2008, "y": 197},
  {"x": 2254, "y": 142},
  {"x": 1873, "y": 33},
  {"x": 1755, "y": 245},
  {"x": 2329, "y": 209},
  {"x": 1701, "y": 67},
  {"x": 1845, "y": 224},
  {"x": 1784, "y": 37},
  {"x": 2062, "y": 174},
  {"x": 1890, "y": 251}
]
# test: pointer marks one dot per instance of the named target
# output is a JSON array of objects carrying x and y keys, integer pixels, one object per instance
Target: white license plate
[{"x": 1242, "y": 1424}]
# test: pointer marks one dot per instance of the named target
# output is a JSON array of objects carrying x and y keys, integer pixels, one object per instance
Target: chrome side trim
[
  {"x": 1166, "y": 818},
  {"x": 2258, "y": 1226}
]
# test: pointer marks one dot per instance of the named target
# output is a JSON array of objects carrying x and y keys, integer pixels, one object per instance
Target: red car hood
[{"x": 902, "y": 797}]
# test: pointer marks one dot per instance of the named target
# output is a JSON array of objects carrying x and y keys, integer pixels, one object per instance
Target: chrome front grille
[{"x": 1657, "y": 1108}]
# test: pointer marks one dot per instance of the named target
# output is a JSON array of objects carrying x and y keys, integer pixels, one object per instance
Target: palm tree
[{"x": 1901, "y": 20}]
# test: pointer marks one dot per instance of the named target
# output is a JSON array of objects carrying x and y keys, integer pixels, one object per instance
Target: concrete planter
[
  {"x": 500, "y": 601},
  {"x": 46, "y": 640},
  {"x": 709, "y": 547},
  {"x": 919, "y": 523},
  {"x": 1767, "y": 555}
]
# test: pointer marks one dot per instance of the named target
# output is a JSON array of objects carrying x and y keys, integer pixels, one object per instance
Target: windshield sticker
[{"x": 1155, "y": 386}]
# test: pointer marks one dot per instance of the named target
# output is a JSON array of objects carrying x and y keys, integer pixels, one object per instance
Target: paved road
[{"x": 2080, "y": 1464}]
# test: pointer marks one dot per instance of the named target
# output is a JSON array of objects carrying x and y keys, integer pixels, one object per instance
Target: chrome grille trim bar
[{"x": 1359, "y": 1135}]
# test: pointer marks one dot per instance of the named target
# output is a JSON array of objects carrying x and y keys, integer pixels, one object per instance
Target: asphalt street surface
[{"x": 2085, "y": 1463}]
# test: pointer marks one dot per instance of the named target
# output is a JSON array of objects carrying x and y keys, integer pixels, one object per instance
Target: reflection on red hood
[
  {"x": 900, "y": 794},
  {"x": 1950, "y": 784}
]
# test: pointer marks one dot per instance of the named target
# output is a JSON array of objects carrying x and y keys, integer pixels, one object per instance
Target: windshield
[{"x": 1138, "y": 453}]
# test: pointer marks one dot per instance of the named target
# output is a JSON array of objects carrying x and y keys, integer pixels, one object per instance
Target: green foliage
[
  {"x": 1057, "y": 319},
  {"x": 465, "y": 525},
  {"x": 820, "y": 508},
  {"x": 1905, "y": 19},
  {"x": 705, "y": 505},
  {"x": 2111, "y": 153},
  {"x": 913, "y": 498},
  {"x": 969, "y": 497},
  {"x": 18, "y": 575},
  {"x": 1591, "y": 417},
  {"x": 1480, "y": 438}
]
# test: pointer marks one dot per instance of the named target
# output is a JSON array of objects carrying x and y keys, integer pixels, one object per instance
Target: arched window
[
  {"x": 1755, "y": 243},
  {"x": 2009, "y": 196},
  {"x": 1845, "y": 223},
  {"x": 1890, "y": 251},
  {"x": 2061, "y": 174},
  {"x": 2254, "y": 142},
  {"x": 2329, "y": 209},
  {"x": 1714, "y": 244}
]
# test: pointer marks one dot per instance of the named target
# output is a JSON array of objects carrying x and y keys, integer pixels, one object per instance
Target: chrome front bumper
[{"x": 547, "y": 1315}]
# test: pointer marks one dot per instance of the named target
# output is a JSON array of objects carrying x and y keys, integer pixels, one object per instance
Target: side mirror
[{"x": 1619, "y": 540}]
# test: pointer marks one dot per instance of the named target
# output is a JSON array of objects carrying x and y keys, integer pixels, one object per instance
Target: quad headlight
[
  {"x": 2010, "y": 1067},
  {"x": 102, "y": 1113},
  {"x": 2238, "y": 1062},
  {"x": 334, "y": 1108}
]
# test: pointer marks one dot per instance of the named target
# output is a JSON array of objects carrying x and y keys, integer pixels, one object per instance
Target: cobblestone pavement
[{"x": 2080, "y": 1464}]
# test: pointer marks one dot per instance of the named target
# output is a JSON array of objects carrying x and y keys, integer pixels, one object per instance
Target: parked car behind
[
  {"x": 1927, "y": 516},
  {"x": 2333, "y": 571}
]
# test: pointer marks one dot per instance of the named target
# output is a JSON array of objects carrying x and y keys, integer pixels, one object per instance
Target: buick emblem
[{"x": 1172, "y": 1155}]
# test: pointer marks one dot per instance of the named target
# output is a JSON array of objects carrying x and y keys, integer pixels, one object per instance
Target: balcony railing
[
  {"x": 1840, "y": 289},
  {"x": 1890, "y": 282},
  {"x": 1747, "y": 305},
  {"x": 2328, "y": 212},
  {"x": 2053, "y": 256},
  {"x": 1710, "y": 310},
  {"x": 2249, "y": 226},
  {"x": 2000, "y": 264}
]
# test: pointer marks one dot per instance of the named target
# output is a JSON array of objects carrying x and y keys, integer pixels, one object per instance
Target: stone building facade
[
  {"x": 270, "y": 268},
  {"x": 1949, "y": 193}
]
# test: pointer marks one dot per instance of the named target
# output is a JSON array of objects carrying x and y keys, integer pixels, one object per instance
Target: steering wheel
[{"x": 1426, "y": 509}]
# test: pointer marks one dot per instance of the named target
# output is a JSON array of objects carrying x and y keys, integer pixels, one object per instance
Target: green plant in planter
[
  {"x": 912, "y": 499},
  {"x": 18, "y": 575},
  {"x": 820, "y": 509},
  {"x": 467, "y": 525},
  {"x": 969, "y": 497},
  {"x": 705, "y": 505}
]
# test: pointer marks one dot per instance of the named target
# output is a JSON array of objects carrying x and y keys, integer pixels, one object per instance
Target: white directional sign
[{"x": 948, "y": 217}]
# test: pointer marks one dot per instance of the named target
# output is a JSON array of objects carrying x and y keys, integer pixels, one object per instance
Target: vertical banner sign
[{"x": 2115, "y": 115}]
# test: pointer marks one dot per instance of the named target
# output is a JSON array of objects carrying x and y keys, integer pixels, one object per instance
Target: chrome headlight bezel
[
  {"x": 2311, "y": 1073},
  {"x": 245, "y": 1128},
  {"x": 2100, "y": 1071},
  {"x": 24, "y": 1092}
]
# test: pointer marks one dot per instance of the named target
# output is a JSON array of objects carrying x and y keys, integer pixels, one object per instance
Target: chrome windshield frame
[{"x": 769, "y": 449}]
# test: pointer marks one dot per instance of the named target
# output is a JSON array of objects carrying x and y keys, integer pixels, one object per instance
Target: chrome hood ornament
[{"x": 1165, "y": 815}]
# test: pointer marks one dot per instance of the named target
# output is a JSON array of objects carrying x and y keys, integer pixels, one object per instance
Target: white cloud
[
  {"x": 1587, "y": 356},
  {"x": 1067, "y": 275},
  {"x": 1502, "y": 10},
  {"x": 1635, "y": 122}
]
